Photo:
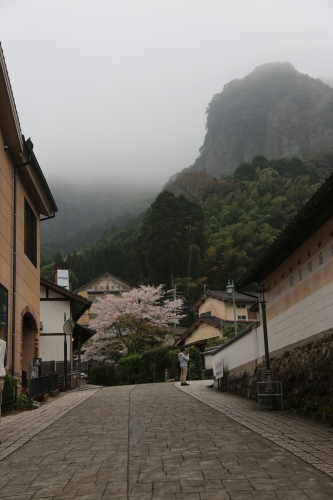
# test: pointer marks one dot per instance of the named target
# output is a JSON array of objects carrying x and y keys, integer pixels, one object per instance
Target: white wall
[
  {"x": 240, "y": 352},
  {"x": 52, "y": 315},
  {"x": 307, "y": 318},
  {"x": 299, "y": 303},
  {"x": 52, "y": 347},
  {"x": 52, "y": 336}
]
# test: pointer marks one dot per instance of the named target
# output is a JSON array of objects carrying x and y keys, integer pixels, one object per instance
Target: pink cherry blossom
[{"x": 126, "y": 321}]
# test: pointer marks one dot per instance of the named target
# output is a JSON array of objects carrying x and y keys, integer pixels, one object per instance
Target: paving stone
[{"x": 159, "y": 441}]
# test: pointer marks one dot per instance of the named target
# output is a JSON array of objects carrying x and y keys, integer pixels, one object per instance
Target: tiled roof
[
  {"x": 223, "y": 295},
  {"x": 105, "y": 275},
  {"x": 78, "y": 304}
]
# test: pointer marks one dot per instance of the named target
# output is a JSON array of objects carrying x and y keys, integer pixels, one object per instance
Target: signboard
[
  {"x": 62, "y": 278},
  {"x": 36, "y": 370},
  {"x": 218, "y": 367}
]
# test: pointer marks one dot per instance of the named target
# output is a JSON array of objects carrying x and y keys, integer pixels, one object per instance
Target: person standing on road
[
  {"x": 183, "y": 361},
  {"x": 3, "y": 362}
]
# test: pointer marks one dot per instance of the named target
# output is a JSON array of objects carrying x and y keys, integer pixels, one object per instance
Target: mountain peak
[{"x": 274, "y": 111}]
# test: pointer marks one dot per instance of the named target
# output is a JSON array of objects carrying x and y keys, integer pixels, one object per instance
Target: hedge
[{"x": 150, "y": 366}]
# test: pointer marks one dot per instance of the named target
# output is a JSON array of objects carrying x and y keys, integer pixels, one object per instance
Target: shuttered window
[{"x": 30, "y": 233}]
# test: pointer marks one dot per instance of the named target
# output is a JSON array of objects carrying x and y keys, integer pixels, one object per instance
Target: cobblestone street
[{"x": 162, "y": 441}]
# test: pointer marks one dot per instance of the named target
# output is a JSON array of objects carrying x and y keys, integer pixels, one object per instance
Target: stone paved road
[{"x": 155, "y": 442}]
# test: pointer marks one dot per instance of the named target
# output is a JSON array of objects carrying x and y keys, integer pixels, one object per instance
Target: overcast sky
[{"x": 116, "y": 90}]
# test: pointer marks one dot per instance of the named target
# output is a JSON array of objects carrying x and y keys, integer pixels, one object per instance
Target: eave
[
  {"x": 9, "y": 121},
  {"x": 84, "y": 333},
  {"x": 35, "y": 180},
  {"x": 79, "y": 305},
  {"x": 223, "y": 296},
  {"x": 105, "y": 275}
]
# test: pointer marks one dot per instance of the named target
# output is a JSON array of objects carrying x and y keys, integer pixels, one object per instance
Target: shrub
[
  {"x": 9, "y": 394},
  {"x": 147, "y": 367},
  {"x": 195, "y": 365},
  {"x": 23, "y": 403},
  {"x": 104, "y": 375},
  {"x": 132, "y": 369}
]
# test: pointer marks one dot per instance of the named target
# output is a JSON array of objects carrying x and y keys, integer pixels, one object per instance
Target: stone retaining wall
[{"x": 306, "y": 374}]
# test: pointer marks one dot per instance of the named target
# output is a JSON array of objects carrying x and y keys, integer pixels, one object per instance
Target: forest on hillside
[{"x": 200, "y": 231}]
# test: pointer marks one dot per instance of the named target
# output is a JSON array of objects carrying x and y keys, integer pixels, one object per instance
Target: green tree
[{"x": 171, "y": 227}]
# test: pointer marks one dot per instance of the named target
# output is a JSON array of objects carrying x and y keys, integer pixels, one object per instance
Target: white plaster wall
[
  {"x": 300, "y": 302},
  {"x": 241, "y": 351},
  {"x": 309, "y": 317},
  {"x": 52, "y": 315},
  {"x": 52, "y": 347},
  {"x": 208, "y": 362}
]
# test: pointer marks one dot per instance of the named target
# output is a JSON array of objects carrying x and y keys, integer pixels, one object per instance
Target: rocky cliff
[{"x": 275, "y": 111}]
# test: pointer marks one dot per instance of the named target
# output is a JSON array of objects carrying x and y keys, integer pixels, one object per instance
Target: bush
[
  {"x": 104, "y": 375},
  {"x": 23, "y": 403},
  {"x": 9, "y": 394},
  {"x": 195, "y": 365},
  {"x": 149, "y": 366},
  {"x": 132, "y": 370}
]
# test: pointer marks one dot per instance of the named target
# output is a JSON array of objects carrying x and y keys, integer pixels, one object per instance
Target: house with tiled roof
[
  {"x": 57, "y": 305},
  {"x": 96, "y": 288},
  {"x": 215, "y": 310}
]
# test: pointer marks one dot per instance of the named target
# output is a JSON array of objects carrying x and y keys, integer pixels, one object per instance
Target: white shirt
[{"x": 3, "y": 352}]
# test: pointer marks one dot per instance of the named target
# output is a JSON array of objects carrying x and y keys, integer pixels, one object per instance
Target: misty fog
[{"x": 116, "y": 92}]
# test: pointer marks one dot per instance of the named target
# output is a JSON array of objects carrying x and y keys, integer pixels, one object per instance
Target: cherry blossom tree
[{"x": 130, "y": 322}]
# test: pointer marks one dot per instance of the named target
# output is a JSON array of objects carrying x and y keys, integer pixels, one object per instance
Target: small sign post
[
  {"x": 38, "y": 362},
  {"x": 218, "y": 368}
]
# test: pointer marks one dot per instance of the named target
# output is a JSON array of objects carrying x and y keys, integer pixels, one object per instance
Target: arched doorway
[{"x": 29, "y": 349}]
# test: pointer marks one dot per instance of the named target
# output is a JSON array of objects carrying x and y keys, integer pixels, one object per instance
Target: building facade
[
  {"x": 297, "y": 271},
  {"x": 215, "y": 311},
  {"x": 58, "y": 305},
  {"x": 106, "y": 283},
  {"x": 25, "y": 201}
]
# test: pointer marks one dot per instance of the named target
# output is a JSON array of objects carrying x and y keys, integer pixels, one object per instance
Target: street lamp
[
  {"x": 262, "y": 290},
  {"x": 230, "y": 288}
]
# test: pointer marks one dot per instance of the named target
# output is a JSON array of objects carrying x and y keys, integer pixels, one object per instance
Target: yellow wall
[
  {"x": 28, "y": 276},
  {"x": 98, "y": 288},
  {"x": 225, "y": 309},
  {"x": 203, "y": 332},
  {"x": 303, "y": 273}
]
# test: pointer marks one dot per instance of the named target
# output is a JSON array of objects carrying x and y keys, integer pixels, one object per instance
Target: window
[
  {"x": 93, "y": 298},
  {"x": 30, "y": 233},
  {"x": 241, "y": 317},
  {"x": 3, "y": 313}
]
